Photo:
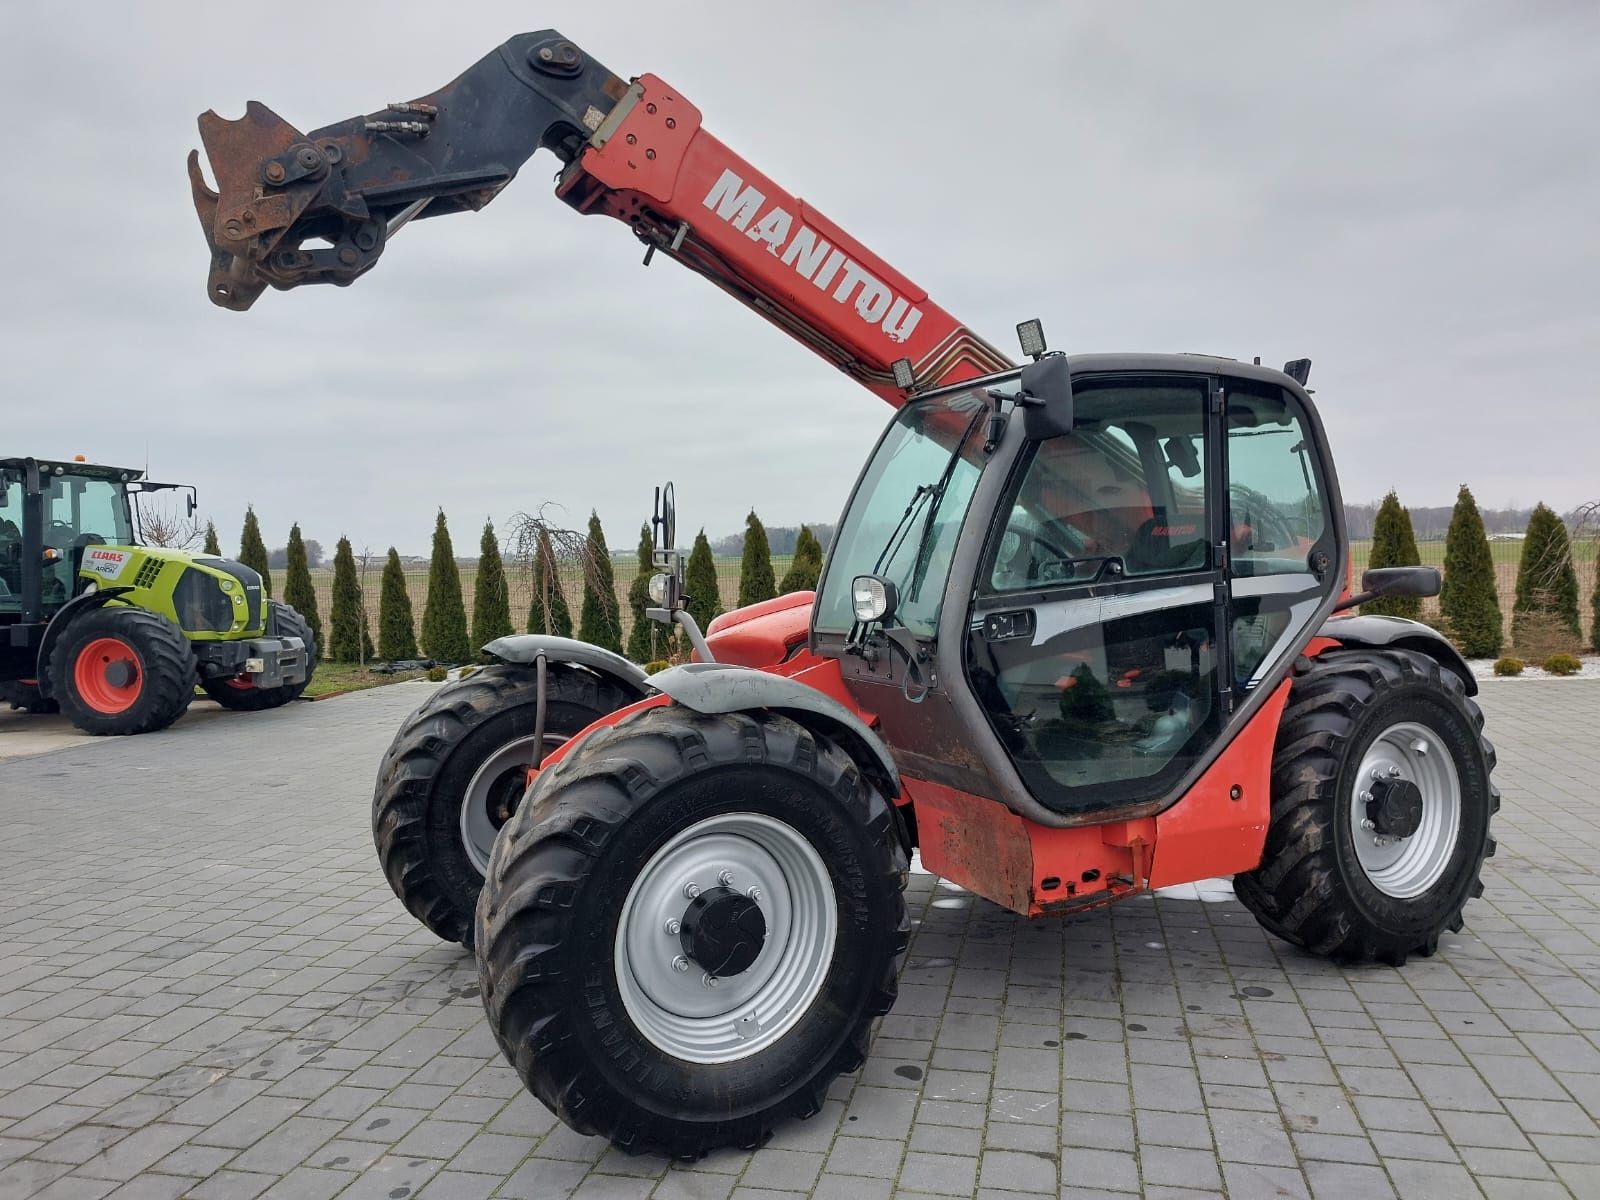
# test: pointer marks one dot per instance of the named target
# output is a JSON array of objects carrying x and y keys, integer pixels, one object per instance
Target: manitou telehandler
[
  {"x": 116, "y": 634},
  {"x": 1072, "y": 642}
]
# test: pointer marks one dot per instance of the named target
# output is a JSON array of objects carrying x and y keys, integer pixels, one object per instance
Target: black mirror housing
[
  {"x": 1401, "y": 581},
  {"x": 1047, "y": 393}
]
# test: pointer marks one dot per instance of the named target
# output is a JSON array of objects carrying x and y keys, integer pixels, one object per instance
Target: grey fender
[
  {"x": 65, "y": 615},
  {"x": 726, "y": 688},
  {"x": 525, "y": 647},
  {"x": 1378, "y": 632}
]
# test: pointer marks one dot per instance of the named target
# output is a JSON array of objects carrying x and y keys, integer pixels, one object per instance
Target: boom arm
[{"x": 635, "y": 151}]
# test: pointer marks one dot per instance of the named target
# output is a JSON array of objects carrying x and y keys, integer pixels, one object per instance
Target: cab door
[{"x": 1100, "y": 612}]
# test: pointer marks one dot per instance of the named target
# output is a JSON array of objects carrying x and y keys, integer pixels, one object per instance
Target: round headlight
[{"x": 658, "y": 588}]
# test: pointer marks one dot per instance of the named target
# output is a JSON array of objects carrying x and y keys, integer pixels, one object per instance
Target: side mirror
[
  {"x": 1401, "y": 581},
  {"x": 1047, "y": 392},
  {"x": 664, "y": 522},
  {"x": 873, "y": 599}
]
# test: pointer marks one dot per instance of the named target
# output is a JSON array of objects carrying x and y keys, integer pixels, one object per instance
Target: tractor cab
[
  {"x": 1084, "y": 581},
  {"x": 46, "y": 531}
]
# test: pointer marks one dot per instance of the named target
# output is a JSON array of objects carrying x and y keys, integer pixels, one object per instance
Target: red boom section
[{"x": 686, "y": 193}]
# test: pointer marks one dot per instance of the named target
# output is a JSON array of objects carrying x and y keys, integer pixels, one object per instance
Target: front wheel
[
  {"x": 240, "y": 695},
  {"x": 687, "y": 932},
  {"x": 117, "y": 670},
  {"x": 1381, "y": 801}
]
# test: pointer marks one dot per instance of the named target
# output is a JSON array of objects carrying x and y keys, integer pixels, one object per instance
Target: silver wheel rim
[
  {"x": 668, "y": 997},
  {"x": 1406, "y": 867},
  {"x": 478, "y": 828}
]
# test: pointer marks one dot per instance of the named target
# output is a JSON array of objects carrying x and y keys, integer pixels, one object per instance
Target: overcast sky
[{"x": 1406, "y": 193}]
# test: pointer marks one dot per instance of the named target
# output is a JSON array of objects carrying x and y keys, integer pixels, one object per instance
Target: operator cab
[
  {"x": 80, "y": 505},
  {"x": 1077, "y": 618}
]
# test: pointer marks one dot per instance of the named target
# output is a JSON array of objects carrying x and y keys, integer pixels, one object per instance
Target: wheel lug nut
[
  {"x": 754, "y": 893},
  {"x": 708, "y": 980},
  {"x": 1394, "y": 772},
  {"x": 673, "y": 925},
  {"x": 1368, "y": 825},
  {"x": 691, "y": 891},
  {"x": 1377, "y": 774},
  {"x": 725, "y": 878},
  {"x": 680, "y": 964},
  {"x": 1366, "y": 797}
]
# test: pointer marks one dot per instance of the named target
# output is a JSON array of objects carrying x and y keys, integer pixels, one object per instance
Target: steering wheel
[
  {"x": 1270, "y": 530},
  {"x": 1042, "y": 567}
]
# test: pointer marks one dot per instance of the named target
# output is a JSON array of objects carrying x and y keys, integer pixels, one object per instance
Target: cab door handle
[{"x": 1004, "y": 626}]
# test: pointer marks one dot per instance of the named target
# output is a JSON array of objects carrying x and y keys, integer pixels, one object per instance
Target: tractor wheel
[
  {"x": 689, "y": 928},
  {"x": 27, "y": 698},
  {"x": 122, "y": 670},
  {"x": 241, "y": 695},
  {"x": 456, "y": 771},
  {"x": 1381, "y": 801}
]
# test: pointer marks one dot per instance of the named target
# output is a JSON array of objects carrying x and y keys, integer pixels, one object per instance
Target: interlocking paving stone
[{"x": 209, "y": 993}]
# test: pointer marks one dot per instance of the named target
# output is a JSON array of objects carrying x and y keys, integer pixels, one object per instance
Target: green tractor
[{"x": 116, "y": 634}]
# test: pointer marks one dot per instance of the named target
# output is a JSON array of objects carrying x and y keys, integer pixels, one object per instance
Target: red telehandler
[{"x": 1076, "y": 639}]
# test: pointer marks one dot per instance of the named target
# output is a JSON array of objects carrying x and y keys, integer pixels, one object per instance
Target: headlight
[
  {"x": 658, "y": 588},
  {"x": 872, "y": 598}
]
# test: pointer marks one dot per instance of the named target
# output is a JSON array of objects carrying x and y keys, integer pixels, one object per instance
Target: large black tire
[
  {"x": 1311, "y": 888},
  {"x": 27, "y": 698},
  {"x": 241, "y": 695},
  {"x": 424, "y": 776},
  {"x": 155, "y": 680},
  {"x": 551, "y": 912}
]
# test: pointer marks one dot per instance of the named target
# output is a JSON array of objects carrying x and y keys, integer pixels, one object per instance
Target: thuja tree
[
  {"x": 641, "y": 643},
  {"x": 253, "y": 551},
  {"x": 397, "y": 632},
  {"x": 548, "y": 612},
  {"x": 1544, "y": 618},
  {"x": 1394, "y": 545},
  {"x": 491, "y": 599},
  {"x": 348, "y": 640},
  {"x": 702, "y": 596},
  {"x": 600, "y": 624},
  {"x": 212, "y": 546},
  {"x": 298, "y": 593},
  {"x": 806, "y": 568},
  {"x": 756, "y": 581},
  {"x": 1469, "y": 602},
  {"x": 444, "y": 617}
]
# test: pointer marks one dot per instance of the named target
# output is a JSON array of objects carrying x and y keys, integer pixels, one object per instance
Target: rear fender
[
  {"x": 65, "y": 615},
  {"x": 1379, "y": 632},
  {"x": 523, "y": 648},
  {"x": 725, "y": 688}
]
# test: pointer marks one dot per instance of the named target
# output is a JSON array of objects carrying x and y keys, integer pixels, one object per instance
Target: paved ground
[{"x": 207, "y": 990}]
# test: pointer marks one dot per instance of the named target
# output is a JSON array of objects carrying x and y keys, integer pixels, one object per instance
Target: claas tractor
[
  {"x": 1085, "y": 631},
  {"x": 116, "y": 634}
]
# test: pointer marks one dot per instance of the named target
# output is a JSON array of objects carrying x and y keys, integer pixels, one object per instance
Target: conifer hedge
[
  {"x": 397, "y": 631},
  {"x": 348, "y": 639},
  {"x": 1470, "y": 599},
  {"x": 756, "y": 582},
  {"x": 491, "y": 598},
  {"x": 600, "y": 624},
  {"x": 641, "y": 639},
  {"x": 1546, "y": 605},
  {"x": 253, "y": 551},
  {"x": 806, "y": 567},
  {"x": 702, "y": 597},
  {"x": 548, "y": 611},
  {"x": 444, "y": 616},
  {"x": 298, "y": 593},
  {"x": 1394, "y": 545},
  {"x": 212, "y": 546}
]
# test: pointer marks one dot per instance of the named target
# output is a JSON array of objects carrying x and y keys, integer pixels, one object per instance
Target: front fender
[
  {"x": 726, "y": 688},
  {"x": 64, "y": 616},
  {"x": 1375, "y": 631},
  {"x": 523, "y": 648}
]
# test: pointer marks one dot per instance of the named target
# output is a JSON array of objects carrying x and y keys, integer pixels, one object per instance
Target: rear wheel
[
  {"x": 1380, "y": 811},
  {"x": 118, "y": 670},
  {"x": 686, "y": 934},
  {"x": 241, "y": 695},
  {"x": 455, "y": 773}
]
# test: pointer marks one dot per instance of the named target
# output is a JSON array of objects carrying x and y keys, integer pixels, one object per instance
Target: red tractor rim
[
  {"x": 107, "y": 675},
  {"x": 240, "y": 684}
]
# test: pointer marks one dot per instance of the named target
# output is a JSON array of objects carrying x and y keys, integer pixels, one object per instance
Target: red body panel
[
  {"x": 771, "y": 250},
  {"x": 762, "y": 635}
]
